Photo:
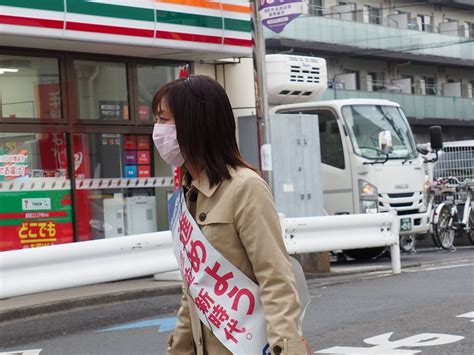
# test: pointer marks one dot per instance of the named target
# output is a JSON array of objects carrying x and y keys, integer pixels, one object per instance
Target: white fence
[{"x": 56, "y": 267}]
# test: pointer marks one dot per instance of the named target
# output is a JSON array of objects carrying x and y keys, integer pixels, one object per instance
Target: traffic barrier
[
  {"x": 28, "y": 271},
  {"x": 326, "y": 233}
]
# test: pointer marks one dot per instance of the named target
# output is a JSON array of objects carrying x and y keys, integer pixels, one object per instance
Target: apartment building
[{"x": 417, "y": 53}]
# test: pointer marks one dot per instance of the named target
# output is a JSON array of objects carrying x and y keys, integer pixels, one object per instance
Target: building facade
[
  {"x": 419, "y": 54},
  {"x": 77, "y": 77}
]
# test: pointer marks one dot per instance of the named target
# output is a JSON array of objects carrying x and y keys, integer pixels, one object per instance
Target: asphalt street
[{"x": 427, "y": 309}]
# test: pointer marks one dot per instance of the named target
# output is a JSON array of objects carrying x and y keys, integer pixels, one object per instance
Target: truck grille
[{"x": 403, "y": 203}]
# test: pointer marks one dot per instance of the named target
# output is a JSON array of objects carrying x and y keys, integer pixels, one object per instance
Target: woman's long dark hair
[{"x": 205, "y": 125}]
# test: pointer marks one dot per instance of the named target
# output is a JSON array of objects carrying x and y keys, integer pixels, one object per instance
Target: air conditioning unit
[
  {"x": 363, "y": 16},
  {"x": 452, "y": 89},
  {"x": 398, "y": 20},
  {"x": 293, "y": 79},
  {"x": 420, "y": 87},
  {"x": 466, "y": 89},
  {"x": 451, "y": 28}
]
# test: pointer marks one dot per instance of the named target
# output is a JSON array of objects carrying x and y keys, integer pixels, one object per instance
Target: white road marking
[
  {"x": 383, "y": 345},
  {"x": 23, "y": 352},
  {"x": 440, "y": 268},
  {"x": 467, "y": 315}
]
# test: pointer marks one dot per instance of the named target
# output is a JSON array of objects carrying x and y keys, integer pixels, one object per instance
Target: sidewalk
[{"x": 62, "y": 300}]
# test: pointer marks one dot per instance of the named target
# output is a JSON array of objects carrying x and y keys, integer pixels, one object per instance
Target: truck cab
[{"x": 357, "y": 176}]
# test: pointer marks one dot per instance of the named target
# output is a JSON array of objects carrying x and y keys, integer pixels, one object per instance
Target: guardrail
[
  {"x": 56, "y": 267},
  {"x": 28, "y": 271},
  {"x": 316, "y": 234}
]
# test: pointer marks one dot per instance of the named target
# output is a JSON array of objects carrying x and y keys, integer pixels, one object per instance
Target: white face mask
[{"x": 164, "y": 137}]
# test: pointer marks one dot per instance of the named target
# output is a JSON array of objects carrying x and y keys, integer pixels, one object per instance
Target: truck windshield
[{"x": 365, "y": 122}]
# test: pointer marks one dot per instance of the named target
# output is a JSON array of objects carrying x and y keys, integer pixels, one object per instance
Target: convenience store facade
[{"x": 76, "y": 82}]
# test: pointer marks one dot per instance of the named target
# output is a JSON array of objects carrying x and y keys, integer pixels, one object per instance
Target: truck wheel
[
  {"x": 407, "y": 243},
  {"x": 364, "y": 254}
]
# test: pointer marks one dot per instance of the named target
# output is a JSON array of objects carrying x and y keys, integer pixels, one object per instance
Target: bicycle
[{"x": 453, "y": 217}]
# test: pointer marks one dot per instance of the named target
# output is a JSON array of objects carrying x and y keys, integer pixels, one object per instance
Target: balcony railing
[
  {"x": 415, "y": 106},
  {"x": 373, "y": 37}
]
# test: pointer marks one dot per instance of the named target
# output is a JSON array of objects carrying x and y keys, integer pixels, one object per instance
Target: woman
[{"x": 233, "y": 208}]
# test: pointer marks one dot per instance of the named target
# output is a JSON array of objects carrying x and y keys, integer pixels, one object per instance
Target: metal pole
[{"x": 260, "y": 76}]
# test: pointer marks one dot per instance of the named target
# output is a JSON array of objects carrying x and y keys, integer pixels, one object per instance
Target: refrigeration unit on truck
[{"x": 369, "y": 158}]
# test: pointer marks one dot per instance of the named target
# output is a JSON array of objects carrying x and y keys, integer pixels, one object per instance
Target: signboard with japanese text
[
  {"x": 49, "y": 100},
  {"x": 276, "y": 14},
  {"x": 30, "y": 219},
  {"x": 227, "y": 301}
]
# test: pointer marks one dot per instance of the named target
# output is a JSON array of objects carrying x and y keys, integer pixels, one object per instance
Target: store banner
[
  {"x": 48, "y": 99},
  {"x": 276, "y": 14},
  {"x": 15, "y": 160},
  {"x": 30, "y": 219}
]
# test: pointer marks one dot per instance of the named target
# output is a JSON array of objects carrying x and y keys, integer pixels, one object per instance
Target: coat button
[
  {"x": 277, "y": 349},
  {"x": 193, "y": 197},
  {"x": 202, "y": 217}
]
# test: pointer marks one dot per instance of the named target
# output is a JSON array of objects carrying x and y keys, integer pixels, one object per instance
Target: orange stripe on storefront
[{"x": 214, "y": 5}]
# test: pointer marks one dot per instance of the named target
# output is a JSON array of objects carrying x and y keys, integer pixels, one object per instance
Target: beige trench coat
[{"x": 238, "y": 217}]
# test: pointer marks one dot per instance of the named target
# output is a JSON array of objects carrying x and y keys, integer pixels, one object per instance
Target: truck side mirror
[
  {"x": 385, "y": 142},
  {"x": 436, "y": 138}
]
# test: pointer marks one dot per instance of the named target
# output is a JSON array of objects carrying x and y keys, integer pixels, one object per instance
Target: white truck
[{"x": 370, "y": 162}]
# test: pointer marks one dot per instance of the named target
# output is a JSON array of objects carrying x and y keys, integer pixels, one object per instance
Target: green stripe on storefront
[
  {"x": 110, "y": 10},
  {"x": 170, "y": 17},
  {"x": 12, "y": 201},
  {"x": 51, "y": 5},
  {"x": 179, "y": 18},
  {"x": 19, "y": 221},
  {"x": 133, "y": 13}
]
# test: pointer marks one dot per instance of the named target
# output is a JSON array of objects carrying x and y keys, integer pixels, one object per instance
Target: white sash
[{"x": 227, "y": 301}]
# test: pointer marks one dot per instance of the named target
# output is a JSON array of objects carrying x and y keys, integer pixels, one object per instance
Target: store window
[
  {"x": 101, "y": 90},
  {"x": 150, "y": 79},
  {"x": 121, "y": 186},
  {"x": 35, "y": 191},
  {"x": 29, "y": 87}
]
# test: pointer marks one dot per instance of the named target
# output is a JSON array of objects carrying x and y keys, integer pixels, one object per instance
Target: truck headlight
[
  {"x": 368, "y": 197},
  {"x": 426, "y": 191},
  {"x": 426, "y": 184}
]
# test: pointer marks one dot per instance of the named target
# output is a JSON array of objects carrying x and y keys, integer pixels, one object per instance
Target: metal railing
[
  {"x": 375, "y": 38},
  {"x": 57, "y": 267}
]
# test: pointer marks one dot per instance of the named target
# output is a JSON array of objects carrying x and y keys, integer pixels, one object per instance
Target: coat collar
[{"x": 201, "y": 184}]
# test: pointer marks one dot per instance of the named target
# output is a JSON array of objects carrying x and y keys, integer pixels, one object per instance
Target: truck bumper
[{"x": 420, "y": 223}]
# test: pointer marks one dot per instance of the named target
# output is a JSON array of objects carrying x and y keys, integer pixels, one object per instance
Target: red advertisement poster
[
  {"x": 143, "y": 143},
  {"x": 31, "y": 219},
  {"x": 130, "y": 142},
  {"x": 143, "y": 157},
  {"x": 144, "y": 171},
  {"x": 49, "y": 100}
]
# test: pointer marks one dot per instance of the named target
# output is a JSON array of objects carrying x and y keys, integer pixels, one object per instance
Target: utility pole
[{"x": 260, "y": 76}]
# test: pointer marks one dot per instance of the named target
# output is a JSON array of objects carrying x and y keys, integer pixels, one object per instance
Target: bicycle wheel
[
  {"x": 442, "y": 232},
  {"x": 470, "y": 234}
]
